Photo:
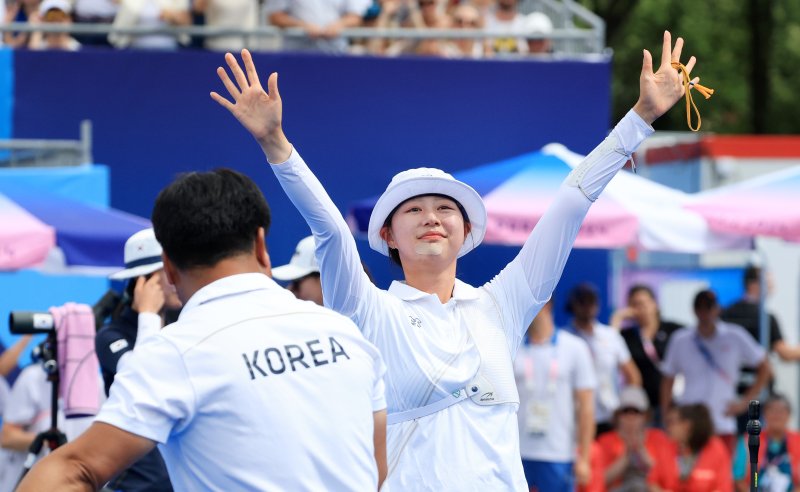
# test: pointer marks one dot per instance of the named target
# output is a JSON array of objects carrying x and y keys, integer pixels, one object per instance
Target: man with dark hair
[
  {"x": 746, "y": 313},
  {"x": 610, "y": 355},
  {"x": 233, "y": 391},
  {"x": 710, "y": 356}
]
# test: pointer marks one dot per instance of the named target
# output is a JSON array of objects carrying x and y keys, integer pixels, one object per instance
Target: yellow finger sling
[{"x": 687, "y": 84}]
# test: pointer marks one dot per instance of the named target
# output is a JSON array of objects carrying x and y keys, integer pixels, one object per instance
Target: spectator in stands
[
  {"x": 633, "y": 456},
  {"x": 778, "y": 454},
  {"x": 231, "y": 14},
  {"x": 704, "y": 463},
  {"x": 505, "y": 18},
  {"x": 710, "y": 357},
  {"x": 20, "y": 11},
  {"x": 538, "y": 27},
  {"x": 94, "y": 12},
  {"x": 646, "y": 336},
  {"x": 54, "y": 12},
  {"x": 27, "y": 413},
  {"x": 745, "y": 313},
  {"x": 556, "y": 382},
  {"x": 467, "y": 17},
  {"x": 151, "y": 13},
  {"x": 302, "y": 272},
  {"x": 609, "y": 353},
  {"x": 419, "y": 14},
  {"x": 322, "y": 21}
]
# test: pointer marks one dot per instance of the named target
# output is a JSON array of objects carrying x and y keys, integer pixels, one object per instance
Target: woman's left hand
[{"x": 659, "y": 91}]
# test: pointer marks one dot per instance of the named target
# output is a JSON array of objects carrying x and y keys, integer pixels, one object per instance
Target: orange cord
[{"x": 687, "y": 84}]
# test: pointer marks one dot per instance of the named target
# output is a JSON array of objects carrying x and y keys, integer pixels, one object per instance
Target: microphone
[{"x": 753, "y": 441}]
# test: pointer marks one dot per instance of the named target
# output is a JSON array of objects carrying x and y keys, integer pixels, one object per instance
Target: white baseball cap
[
  {"x": 48, "y": 5},
  {"x": 537, "y": 23},
  {"x": 302, "y": 263},
  {"x": 427, "y": 181},
  {"x": 142, "y": 256},
  {"x": 633, "y": 397}
]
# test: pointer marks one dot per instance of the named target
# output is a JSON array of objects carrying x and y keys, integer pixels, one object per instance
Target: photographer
[{"x": 149, "y": 302}]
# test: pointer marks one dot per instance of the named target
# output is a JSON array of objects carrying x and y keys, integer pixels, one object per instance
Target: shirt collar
[
  {"x": 230, "y": 286},
  {"x": 461, "y": 292}
]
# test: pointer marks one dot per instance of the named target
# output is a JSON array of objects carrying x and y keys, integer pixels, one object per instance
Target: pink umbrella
[
  {"x": 24, "y": 239},
  {"x": 768, "y": 205},
  {"x": 632, "y": 211}
]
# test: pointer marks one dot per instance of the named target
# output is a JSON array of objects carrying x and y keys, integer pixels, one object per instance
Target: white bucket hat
[
  {"x": 302, "y": 263},
  {"x": 427, "y": 181},
  {"x": 142, "y": 256},
  {"x": 48, "y": 5},
  {"x": 633, "y": 397}
]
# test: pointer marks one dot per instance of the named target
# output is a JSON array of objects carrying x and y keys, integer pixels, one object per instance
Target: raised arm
[
  {"x": 345, "y": 286},
  {"x": 544, "y": 255}
]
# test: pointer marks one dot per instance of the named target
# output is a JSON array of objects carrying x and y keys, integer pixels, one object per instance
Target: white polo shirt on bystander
[
  {"x": 711, "y": 367},
  {"x": 548, "y": 375}
]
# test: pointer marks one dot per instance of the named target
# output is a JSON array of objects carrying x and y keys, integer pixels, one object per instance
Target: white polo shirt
[
  {"x": 711, "y": 367},
  {"x": 252, "y": 389},
  {"x": 548, "y": 374},
  {"x": 608, "y": 352},
  {"x": 427, "y": 345}
]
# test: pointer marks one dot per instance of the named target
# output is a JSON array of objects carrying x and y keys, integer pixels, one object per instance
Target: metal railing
[
  {"x": 567, "y": 37},
  {"x": 48, "y": 153}
]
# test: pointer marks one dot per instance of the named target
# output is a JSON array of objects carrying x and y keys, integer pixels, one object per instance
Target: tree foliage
[{"x": 747, "y": 50}]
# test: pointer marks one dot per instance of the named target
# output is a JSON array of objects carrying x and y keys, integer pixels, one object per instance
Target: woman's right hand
[
  {"x": 148, "y": 296},
  {"x": 261, "y": 113}
]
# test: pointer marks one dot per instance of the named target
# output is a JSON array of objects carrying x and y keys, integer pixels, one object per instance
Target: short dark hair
[
  {"x": 751, "y": 274},
  {"x": 705, "y": 299},
  {"x": 777, "y": 398},
  {"x": 394, "y": 255},
  {"x": 584, "y": 294},
  {"x": 204, "y": 217},
  {"x": 702, "y": 427},
  {"x": 635, "y": 289}
]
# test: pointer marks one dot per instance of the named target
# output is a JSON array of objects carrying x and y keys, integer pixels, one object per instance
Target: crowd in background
[
  {"x": 648, "y": 437},
  {"x": 321, "y": 21}
]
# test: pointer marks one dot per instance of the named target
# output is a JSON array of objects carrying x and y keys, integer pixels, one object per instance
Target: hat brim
[
  {"x": 136, "y": 271},
  {"x": 290, "y": 273},
  {"x": 429, "y": 185}
]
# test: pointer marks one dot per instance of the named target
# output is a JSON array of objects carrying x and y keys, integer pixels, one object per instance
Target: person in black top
[
  {"x": 646, "y": 335},
  {"x": 745, "y": 313},
  {"x": 147, "y": 304}
]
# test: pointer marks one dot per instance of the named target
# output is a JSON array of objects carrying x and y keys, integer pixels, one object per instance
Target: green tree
[{"x": 748, "y": 51}]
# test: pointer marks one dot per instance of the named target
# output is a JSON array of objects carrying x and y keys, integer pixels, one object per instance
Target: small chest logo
[{"x": 415, "y": 321}]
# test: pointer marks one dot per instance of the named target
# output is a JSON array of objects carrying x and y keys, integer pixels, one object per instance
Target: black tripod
[{"x": 52, "y": 436}]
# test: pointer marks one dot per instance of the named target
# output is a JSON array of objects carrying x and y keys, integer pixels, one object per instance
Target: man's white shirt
[
  {"x": 548, "y": 375},
  {"x": 711, "y": 379},
  {"x": 608, "y": 352},
  {"x": 252, "y": 389}
]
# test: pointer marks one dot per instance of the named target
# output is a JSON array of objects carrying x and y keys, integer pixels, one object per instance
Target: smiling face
[{"x": 426, "y": 228}]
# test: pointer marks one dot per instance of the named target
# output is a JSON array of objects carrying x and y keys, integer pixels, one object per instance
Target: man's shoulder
[{"x": 286, "y": 313}]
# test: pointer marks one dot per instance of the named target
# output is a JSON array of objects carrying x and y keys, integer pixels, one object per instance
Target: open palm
[
  {"x": 258, "y": 111},
  {"x": 659, "y": 91}
]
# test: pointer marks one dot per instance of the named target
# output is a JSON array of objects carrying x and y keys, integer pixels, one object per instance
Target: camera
[{"x": 30, "y": 323}]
